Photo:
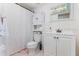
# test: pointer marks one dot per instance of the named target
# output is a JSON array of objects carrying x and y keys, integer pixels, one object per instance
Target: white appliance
[
  {"x": 59, "y": 44},
  {"x": 33, "y": 45}
]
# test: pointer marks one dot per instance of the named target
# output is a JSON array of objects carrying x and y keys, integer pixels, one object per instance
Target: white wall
[
  {"x": 67, "y": 25},
  {"x": 19, "y": 26}
]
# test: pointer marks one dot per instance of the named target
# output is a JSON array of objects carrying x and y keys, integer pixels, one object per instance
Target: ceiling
[{"x": 30, "y": 6}]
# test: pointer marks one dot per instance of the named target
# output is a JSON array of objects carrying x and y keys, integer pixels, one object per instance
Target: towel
[{"x": 3, "y": 27}]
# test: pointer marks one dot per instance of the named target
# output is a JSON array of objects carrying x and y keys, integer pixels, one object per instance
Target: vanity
[{"x": 59, "y": 43}]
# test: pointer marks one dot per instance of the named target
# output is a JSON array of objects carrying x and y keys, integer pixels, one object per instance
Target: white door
[
  {"x": 49, "y": 45},
  {"x": 66, "y": 47}
]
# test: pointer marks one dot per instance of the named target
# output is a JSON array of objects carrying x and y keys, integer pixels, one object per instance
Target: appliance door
[{"x": 49, "y": 45}]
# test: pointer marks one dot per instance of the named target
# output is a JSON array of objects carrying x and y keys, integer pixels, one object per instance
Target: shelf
[{"x": 37, "y": 30}]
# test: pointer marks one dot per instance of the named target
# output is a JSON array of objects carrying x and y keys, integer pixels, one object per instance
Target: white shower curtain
[{"x": 3, "y": 35}]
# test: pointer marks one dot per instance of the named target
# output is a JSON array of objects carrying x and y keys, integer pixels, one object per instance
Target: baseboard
[{"x": 17, "y": 52}]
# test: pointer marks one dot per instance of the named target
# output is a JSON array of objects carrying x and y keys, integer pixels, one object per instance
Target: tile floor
[{"x": 24, "y": 53}]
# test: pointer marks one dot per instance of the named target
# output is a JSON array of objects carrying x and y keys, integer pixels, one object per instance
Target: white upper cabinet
[{"x": 38, "y": 19}]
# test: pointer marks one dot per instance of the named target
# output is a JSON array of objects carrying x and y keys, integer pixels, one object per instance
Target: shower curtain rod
[{"x": 24, "y": 7}]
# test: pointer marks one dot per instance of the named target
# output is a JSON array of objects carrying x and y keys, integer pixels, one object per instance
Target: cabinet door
[
  {"x": 38, "y": 19},
  {"x": 66, "y": 47},
  {"x": 49, "y": 45}
]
